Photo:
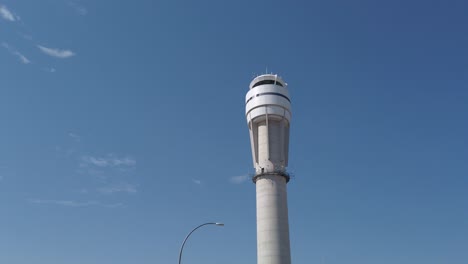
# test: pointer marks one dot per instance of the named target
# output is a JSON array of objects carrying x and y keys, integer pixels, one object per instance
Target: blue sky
[{"x": 123, "y": 128}]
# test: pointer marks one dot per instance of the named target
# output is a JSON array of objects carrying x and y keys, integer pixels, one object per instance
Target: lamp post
[{"x": 185, "y": 240}]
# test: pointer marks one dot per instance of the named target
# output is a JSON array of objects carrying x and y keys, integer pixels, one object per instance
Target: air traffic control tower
[{"x": 268, "y": 112}]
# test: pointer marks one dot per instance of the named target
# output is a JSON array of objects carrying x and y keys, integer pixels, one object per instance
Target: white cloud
[
  {"x": 25, "y": 36},
  {"x": 196, "y": 181},
  {"x": 22, "y": 58},
  {"x": 71, "y": 203},
  {"x": 99, "y": 162},
  {"x": 239, "y": 179},
  {"x": 79, "y": 9},
  {"x": 51, "y": 70},
  {"x": 121, "y": 187},
  {"x": 57, "y": 53},
  {"x": 13, "y": 51},
  {"x": 7, "y": 14},
  {"x": 76, "y": 137},
  {"x": 123, "y": 162},
  {"x": 108, "y": 161}
]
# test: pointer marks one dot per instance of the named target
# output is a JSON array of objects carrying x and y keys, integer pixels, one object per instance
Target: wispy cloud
[
  {"x": 79, "y": 9},
  {"x": 109, "y": 161},
  {"x": 239, "y": 179},
  {"x": 57, "y": 53},
  {"x": 120, "y": 187},
  {"x": 22, "y": 58},
  {"x": 71, "y": 203},
  {"x": 196, "y": 181},
  {"x": 74, "y": 136},
  {"x": 6, "y": 14},
  {"x": 51, "y": 70},
  {"x": 13, "y": 51},
  {"x": 1, "y": 177},
  {"x": 25, "y": 36}
]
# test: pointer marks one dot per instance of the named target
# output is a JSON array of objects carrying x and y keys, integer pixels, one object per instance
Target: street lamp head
[{"x": 185, "y": 240}]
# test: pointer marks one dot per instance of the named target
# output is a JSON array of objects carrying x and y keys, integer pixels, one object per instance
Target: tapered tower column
[{"x": 268, "y": 112}]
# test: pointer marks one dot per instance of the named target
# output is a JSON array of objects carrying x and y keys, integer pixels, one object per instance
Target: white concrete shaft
[
  {"x": 272, "y": 220},
  {"x": 272, "y": 136}
]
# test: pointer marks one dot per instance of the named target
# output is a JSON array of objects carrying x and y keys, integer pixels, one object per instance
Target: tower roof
[{"x": 267, "y": 79}]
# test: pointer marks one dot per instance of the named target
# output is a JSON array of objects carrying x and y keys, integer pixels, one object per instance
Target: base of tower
[{"x": 273, "y": 245}]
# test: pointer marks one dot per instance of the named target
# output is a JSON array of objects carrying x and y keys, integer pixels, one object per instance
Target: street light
[{"x": 182, "y": 247}]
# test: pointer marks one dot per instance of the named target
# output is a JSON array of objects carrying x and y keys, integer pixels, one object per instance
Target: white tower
[{"x": 268, "y": 112}]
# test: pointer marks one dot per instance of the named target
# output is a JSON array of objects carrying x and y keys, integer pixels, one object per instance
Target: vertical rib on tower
[{"x": 268, "y": 112}]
